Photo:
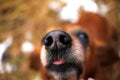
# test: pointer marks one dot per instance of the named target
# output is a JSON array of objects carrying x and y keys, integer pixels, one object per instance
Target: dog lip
[{"x": 58, "y": 62}]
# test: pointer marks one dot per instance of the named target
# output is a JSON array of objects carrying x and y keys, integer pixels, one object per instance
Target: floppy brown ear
[
  {"x": 35, "y": 59},
  {"x": 106, "y": 55}
]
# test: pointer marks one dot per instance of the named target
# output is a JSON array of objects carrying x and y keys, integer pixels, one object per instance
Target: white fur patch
[
  {"x": 43, "y": 56},
  {"x": 72, "y": 75}
]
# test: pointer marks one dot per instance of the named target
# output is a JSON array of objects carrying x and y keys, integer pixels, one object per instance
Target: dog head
[{"x": 63, "y": 51}]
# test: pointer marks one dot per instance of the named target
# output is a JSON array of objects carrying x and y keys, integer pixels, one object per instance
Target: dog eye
[{"x": 82, "y": 36}]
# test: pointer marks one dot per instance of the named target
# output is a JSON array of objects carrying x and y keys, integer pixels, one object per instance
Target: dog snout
[{"x": 57, "y": 40}]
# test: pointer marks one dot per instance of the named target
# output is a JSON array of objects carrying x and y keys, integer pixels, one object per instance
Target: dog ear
[{"x": 106, "y": 55}]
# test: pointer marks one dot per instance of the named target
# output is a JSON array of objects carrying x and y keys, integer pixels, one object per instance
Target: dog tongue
[
  {"x": 91, "y": 79},
  {"x": 58, "y": 62}
]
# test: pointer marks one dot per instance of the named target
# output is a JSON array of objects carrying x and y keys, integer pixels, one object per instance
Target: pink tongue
[
  {"x": 58, "y": 62},
  {"x": 91, "y": 79}
]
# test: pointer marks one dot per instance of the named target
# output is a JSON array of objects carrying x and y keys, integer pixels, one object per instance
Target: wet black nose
[{"x": 57, "y": 40}]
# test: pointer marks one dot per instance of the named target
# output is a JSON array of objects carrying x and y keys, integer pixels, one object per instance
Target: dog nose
[{"x": 57, "y": 40}]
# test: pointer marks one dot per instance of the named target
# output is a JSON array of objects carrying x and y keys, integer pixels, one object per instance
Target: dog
[{"x": 77, "y": 51}]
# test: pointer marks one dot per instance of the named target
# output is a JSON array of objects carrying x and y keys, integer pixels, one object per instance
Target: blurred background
[{"x": 23, "y": 23}]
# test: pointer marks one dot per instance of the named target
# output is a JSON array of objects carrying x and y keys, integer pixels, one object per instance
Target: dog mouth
[
  {"x": 62, "y": 66},
  {"x": 62, "y": 62},
  {"x": 58, "y": 62}
]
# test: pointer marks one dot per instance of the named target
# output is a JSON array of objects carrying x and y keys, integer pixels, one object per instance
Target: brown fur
[{"x": 100, "y": 53}]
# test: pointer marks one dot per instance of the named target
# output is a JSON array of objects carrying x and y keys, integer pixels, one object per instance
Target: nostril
[
  {"x": 48, "y": 41},
  {"x": 66, "y": 40}
]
